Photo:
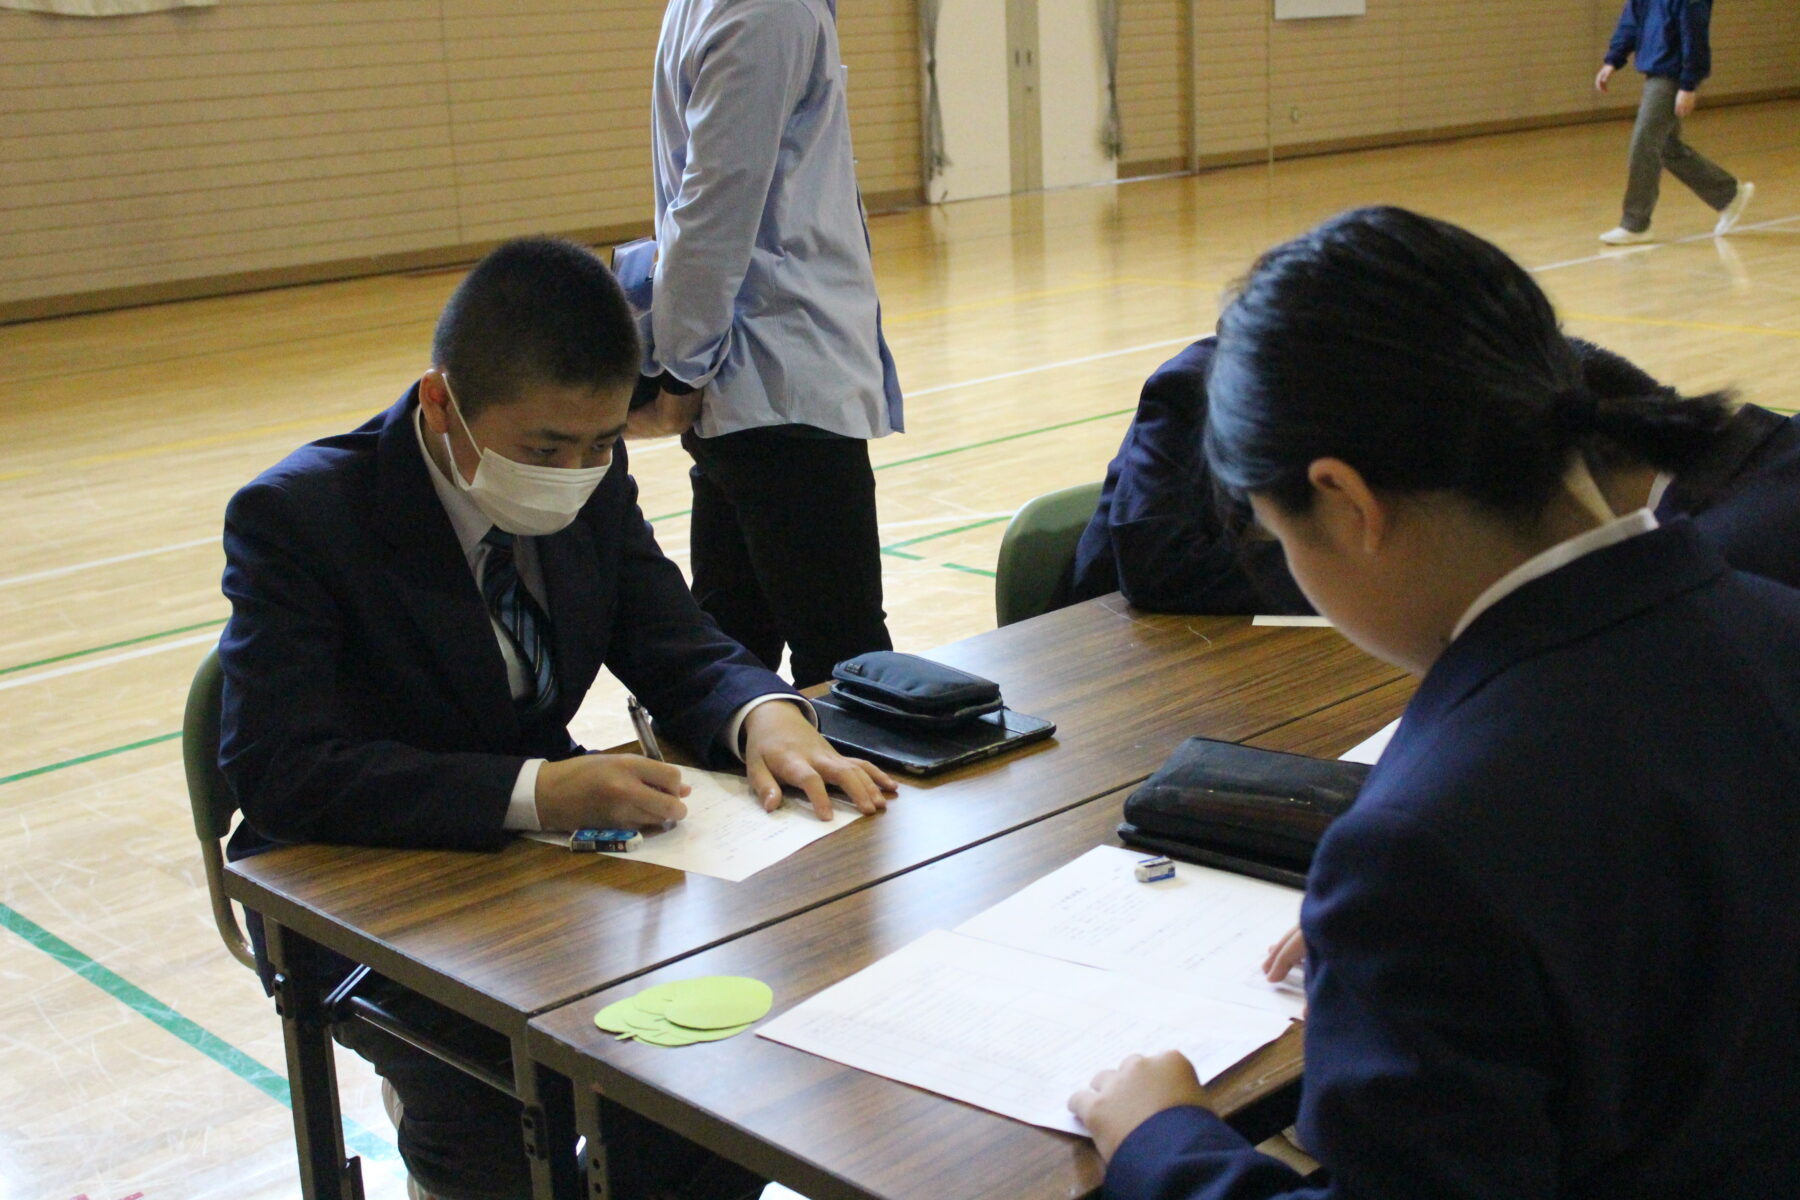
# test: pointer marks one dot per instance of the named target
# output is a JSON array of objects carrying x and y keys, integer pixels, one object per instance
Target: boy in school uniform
[
  {"x": 1671, "y": 39},
  {"x": 1161, "y": 537},
  {"x": 419, "y": 607}
]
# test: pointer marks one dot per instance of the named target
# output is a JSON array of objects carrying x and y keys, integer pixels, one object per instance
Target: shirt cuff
[
  {"x": 521, "y": 810},
  {"x": 734, "y": 728}
]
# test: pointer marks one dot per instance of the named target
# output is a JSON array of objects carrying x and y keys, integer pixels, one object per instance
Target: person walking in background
[
  {"x": 1673, "y": 48},
  {"x": 767, "y": 329}
]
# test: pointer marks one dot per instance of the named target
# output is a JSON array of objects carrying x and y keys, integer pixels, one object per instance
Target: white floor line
[
  {"x": 1624, "y": 251},
  {"x": 950, "y": 520},
  {"x": 58, "y": 572},
  {"x": 94, "y": 664},
  {"x": 1055, "y": 366}
]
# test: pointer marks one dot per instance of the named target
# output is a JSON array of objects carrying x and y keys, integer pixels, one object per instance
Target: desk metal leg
[
  {"x": 590, "y": 1122},
  {"x": 325, "y": 1172},
  {"x": 549, "y": 1128}
]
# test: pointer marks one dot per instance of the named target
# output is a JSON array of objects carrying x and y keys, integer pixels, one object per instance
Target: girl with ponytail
[{"x": 1552, "y": 950}]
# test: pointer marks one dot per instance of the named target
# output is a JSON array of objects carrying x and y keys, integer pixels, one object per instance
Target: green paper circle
[
  {"x": 612, "y": 1017},
  {"x": 720, "y": 1002},
  {"x": 657, "y": 997},
  {"x": 687, "y": 1037}
]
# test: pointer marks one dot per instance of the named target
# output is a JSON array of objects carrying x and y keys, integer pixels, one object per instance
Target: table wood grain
[
  {"x": 502, "y": 936},
  {"x": 836, "y": 1133},
  {"x": 831, "y": 1131}
]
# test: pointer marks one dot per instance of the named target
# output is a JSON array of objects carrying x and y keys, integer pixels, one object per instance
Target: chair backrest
[
  {"x": 210, "y": 796},
  {"x": 1037, "y": 549}
]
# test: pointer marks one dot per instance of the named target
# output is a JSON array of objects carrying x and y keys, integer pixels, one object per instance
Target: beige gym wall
[
  {"x": 268, "y": 141},
  {"x": 248, "y": 142},
  {"x": 1409, "y": 67}
]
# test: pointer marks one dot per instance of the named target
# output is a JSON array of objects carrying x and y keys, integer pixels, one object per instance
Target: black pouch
[
  {"x": 1260, "y": 812},
  {"x": 904, "y": 689}
]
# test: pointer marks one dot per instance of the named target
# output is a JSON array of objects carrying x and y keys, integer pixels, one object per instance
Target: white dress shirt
[
  {"x": 1556, "y": 557},
  {"x": 472, "y": 525}
]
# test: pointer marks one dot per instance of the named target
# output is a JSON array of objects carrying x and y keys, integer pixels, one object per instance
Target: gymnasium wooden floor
[{"x": 138, "y": 1058}]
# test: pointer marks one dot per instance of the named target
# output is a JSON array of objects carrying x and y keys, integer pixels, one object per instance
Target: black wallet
[
  {"x": 1259, "y": 812},
  {"x": 906, "y": 690}
]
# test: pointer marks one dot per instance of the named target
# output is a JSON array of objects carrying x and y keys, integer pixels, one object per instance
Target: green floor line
[
  {"x": 148, "y": 637},
  {"x": 943, "y": 533},
  {"x": 1010, "y": 437},
  {"x": 968, "y": 570},
  {"x": 270, "y": 1083},
  {"x": 76, "y": 762},
  {"x": 903, "y": 554}
]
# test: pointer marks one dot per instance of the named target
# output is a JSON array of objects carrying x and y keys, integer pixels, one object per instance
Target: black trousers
[
  {"x": 786, "y": 552},
  {"x": 462, "y": 1140}
]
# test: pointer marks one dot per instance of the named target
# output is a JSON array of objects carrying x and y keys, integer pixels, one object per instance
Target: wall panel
[
  {"x": 1408, "y": 66},
  {"x": 1153, "y": 80},
  {"x": 281, "y": 137}
]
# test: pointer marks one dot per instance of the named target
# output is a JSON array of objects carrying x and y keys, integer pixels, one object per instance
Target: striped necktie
[{"x": 525, "y": 623}]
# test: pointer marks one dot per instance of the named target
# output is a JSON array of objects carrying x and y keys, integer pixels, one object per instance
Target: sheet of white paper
[
  {"x": 1009, "y": 1031},
  {"x": 1304, "y": 622},
  {"x": 1369, "y": 749},
  {"x": 1204, "y": 931},
  {"x": 726, "y": 833}
]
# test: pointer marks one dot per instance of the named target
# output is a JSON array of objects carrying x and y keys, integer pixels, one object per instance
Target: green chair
[
  {"x": 1037, "y": 549},
  {"x": 210, "y": 796}
]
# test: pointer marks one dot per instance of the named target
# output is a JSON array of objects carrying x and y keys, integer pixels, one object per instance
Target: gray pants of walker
[{"x": 1656, "y": 143}]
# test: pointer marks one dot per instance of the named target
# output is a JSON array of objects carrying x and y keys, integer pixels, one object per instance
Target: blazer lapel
[{"x": 432, "y": 579}]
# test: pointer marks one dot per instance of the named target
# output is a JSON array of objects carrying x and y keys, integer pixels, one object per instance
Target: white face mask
[{"x": 524, "y": 500}]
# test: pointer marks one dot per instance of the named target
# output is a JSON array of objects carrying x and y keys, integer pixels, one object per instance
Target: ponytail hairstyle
[
  {"x": 1428, "y": 360},
  {"x": 1612, "y": 377}
]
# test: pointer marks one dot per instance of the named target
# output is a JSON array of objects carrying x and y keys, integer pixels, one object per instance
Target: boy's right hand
[
  {"x": 625, "y": 791},
  {"x": 1605, "y": 75}
]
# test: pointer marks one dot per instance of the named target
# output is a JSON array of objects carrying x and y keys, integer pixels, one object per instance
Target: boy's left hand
[
  {"x": 781, "y": 746},
  {"x": 1117, "y": 1102},
  {"x": 1684, "y": 104},
  {"x": 669, "y": 415}
]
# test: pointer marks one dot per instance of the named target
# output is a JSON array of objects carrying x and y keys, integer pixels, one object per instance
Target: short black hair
[
  {"x": 536, "y": 310},
  {"x": 1428, "y": 360}
]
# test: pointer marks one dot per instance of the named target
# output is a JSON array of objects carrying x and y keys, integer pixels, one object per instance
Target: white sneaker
[
  {"x": 1732, "y": 213},
  {"x": 1621, "y": 236}
]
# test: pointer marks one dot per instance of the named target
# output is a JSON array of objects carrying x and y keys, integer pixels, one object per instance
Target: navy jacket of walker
[
  {"x": 366, "y": 698},
  {"x": 1671, "y": 38},
  {"x": 1554, "y": 949},
  {"x": 1158, "y": 535}
]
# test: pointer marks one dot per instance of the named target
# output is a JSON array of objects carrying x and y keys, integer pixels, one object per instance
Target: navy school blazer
[
  {"x": 1553, "y": 948},
  {"x": 1158, "y": 535},
  {"x": 366, "y": 698},
  {"x": 1745, "y": 497}
]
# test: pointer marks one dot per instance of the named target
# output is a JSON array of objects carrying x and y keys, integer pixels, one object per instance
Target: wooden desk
[
  {"x": 836, "y": 1133},
  {"x": 502, "y": 937}
]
